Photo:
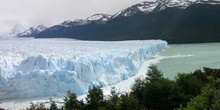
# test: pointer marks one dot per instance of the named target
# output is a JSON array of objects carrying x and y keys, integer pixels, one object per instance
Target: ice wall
[{"x": 38, "y": 68}]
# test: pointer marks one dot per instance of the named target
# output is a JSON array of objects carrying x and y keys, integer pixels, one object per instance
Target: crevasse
[{"x": 40, "y": 68}]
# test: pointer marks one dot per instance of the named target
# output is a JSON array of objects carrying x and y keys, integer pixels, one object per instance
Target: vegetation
[
  {"x": 199, "y": 90},
  {"x": 53, "y": 105}
]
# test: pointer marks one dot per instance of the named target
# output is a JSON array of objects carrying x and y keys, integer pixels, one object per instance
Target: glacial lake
[{"x": 191, "y": 57}]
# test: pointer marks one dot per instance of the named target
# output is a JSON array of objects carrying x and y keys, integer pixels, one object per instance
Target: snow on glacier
[
  {"x": 121, "y": 87},
  {"x": 51, "y": 67}
]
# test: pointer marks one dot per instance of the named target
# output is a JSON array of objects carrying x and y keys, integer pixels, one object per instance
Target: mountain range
[
  {"x": 32, "y": 31},
  {"x": 176, "y": 21}
]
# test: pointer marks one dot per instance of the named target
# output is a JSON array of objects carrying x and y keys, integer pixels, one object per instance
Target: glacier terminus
[{"x": 50, "y": 67}]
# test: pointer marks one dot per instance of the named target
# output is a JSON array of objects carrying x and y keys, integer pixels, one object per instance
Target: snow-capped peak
[
  {"x": 154, "y": 5},
  {"x": 32, "y": 32},
  {"x": 41, "y": 27},
  {"x": 213, "y": 2},
  {"x": 77, "y": 22},
  {"x": 99, "y": 17},
  {"x": 66, "y": 23},
  {"x": 147, "y": 6},
  {"x": 163, "y": 4},
  {"x": 128, "y": 11}
]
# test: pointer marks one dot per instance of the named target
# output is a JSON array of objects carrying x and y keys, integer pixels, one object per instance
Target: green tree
[
  {"x": 138, "y": 88},
  {"x": 113, "y": 102},
  {"x": 212, "y": 72},
  {"x": 199, "y": 74},
  {"x": 129, "y": 102},
  {"x": 157, "y": 92},
  {"x": 190, "y": 86},
  {"x": 209, "y": 99},
  {"x": 70, "y": 101},
  {"x": 82, "y": 105},
  {"x": 153, "y": 73},
  {"x": 162, "y": 94},
  {"x": 37, "y": 106},
  {"x": 140, "y": 84},
  {"x": 53, "y": 105},
  {"x": 95, "y": 98}
]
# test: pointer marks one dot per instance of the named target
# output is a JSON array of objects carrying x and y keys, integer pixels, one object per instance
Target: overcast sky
[{"x": 26, "y": 13}]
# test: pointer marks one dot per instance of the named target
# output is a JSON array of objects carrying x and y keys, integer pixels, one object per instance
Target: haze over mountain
[
  {"x": 31, "y": 13},
  {"x": 176, "y": 21},
  {"x": 32, "y": 32}
]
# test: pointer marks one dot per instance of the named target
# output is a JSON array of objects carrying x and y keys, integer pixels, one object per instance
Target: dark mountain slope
[
  {"x": 76, "y": 32},
  {"x": 137, "y": 26},
  {"x": 176, "y": 21},
  {"x": 197, "y": 23}
]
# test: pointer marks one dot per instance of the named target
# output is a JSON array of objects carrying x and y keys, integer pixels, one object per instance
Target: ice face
[{"x": 49, "y": 67}]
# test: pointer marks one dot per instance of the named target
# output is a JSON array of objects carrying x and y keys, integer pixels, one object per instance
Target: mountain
[
  {"x": 213, "y": 2},
  {"x": 75, "y": 29},
  {"x": 99, "y": 18},
  {"x": 32, "y": 32},
  {"x": 152, "y": 6},
  {"x": 176, "y": 21}
]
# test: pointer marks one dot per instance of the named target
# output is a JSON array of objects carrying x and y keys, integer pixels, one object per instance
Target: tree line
[{"x": 198, "y": 90}]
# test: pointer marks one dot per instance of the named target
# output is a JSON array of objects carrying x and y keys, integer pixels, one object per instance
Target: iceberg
[{"x": 50, "y": 67}]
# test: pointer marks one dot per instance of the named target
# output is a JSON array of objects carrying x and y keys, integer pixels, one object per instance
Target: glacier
[{"x": 50, "y": 67}]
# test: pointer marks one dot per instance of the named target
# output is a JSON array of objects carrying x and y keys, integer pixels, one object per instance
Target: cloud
[{"x": 49, "y": 12}]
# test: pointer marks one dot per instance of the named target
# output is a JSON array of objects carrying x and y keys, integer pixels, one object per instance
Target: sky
[{"x": 23, "y": 14}]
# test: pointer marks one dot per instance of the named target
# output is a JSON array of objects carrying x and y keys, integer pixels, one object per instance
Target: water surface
[{"x": 197, "y": 57}]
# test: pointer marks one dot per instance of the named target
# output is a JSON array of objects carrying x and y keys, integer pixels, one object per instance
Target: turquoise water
[{"x": 203, "y": 55}]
